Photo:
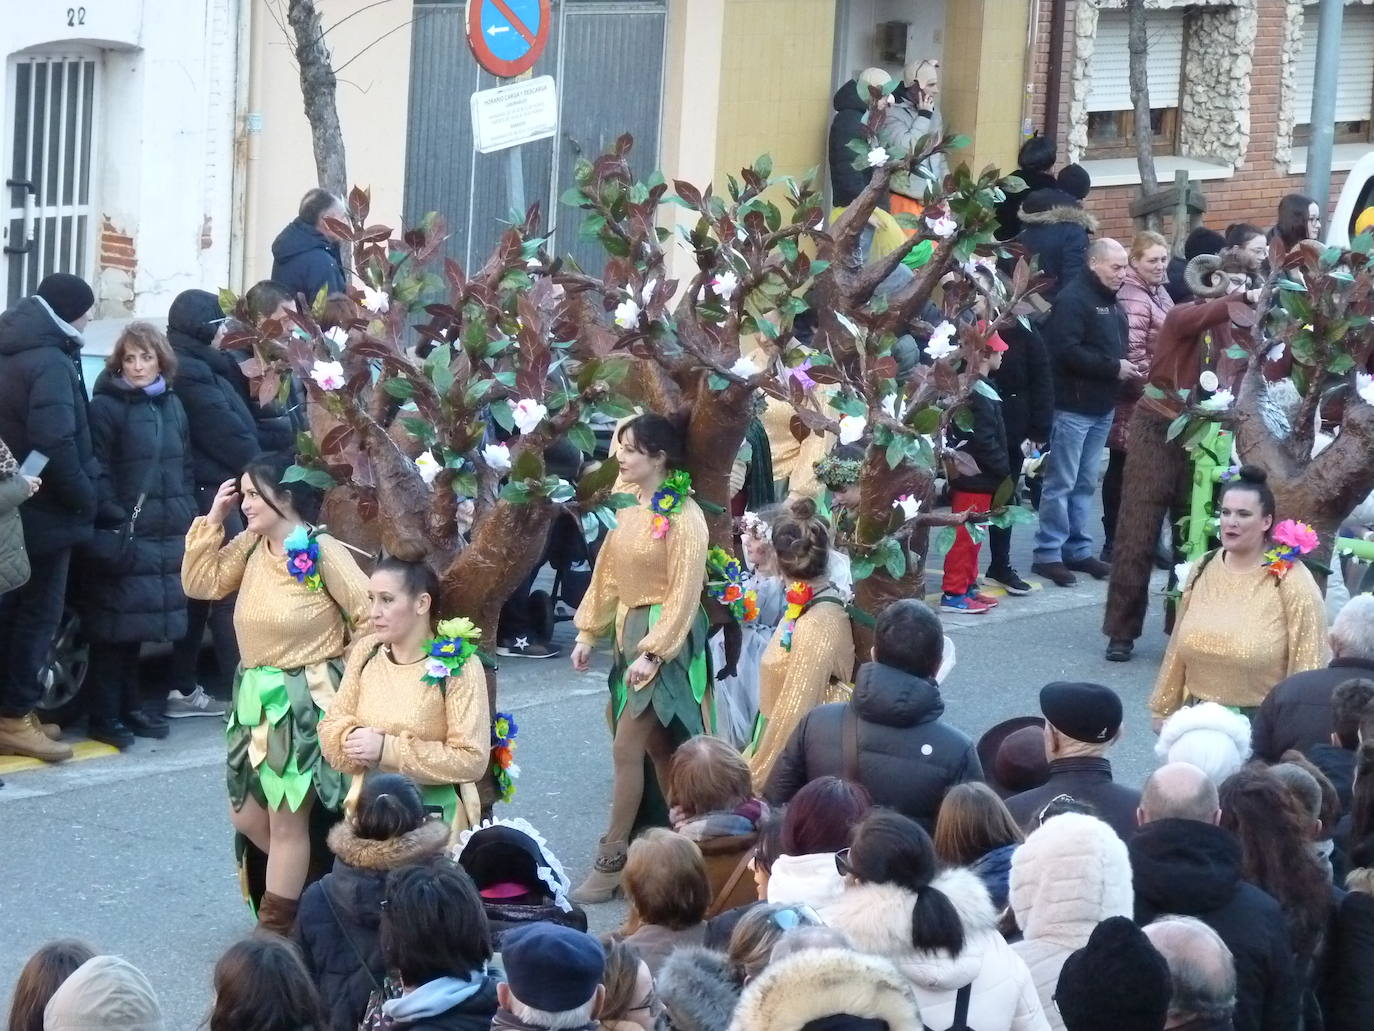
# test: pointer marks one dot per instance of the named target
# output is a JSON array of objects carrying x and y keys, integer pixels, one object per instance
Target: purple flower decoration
[{"x": 799, "y": 374}]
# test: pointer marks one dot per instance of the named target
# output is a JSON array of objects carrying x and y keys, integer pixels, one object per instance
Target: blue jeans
[{"x": 1066, "y": 500}]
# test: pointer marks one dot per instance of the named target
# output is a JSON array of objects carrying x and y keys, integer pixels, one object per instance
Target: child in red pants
[{"x": 986, "y": 444}]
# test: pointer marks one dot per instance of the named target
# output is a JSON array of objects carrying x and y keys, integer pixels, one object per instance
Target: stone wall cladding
[{"x": 1292, "y": 39}]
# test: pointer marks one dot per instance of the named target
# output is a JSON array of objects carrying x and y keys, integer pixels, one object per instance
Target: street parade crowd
[{"x": 803, "y": 840}]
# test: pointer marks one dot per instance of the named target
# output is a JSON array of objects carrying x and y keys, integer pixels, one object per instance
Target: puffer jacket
[
  {"x": 905, "y": 125},
  {"x": 1026, "y": 384},
  {"x": 908, "y": 756},
  {"x": 846, "y": 181},
  {"x": 1086, "y": 332},
  {"x": 1145, "y": 308},
  {"x": 1056, "y": 230},
  {"x": 877, "y": 918},
  {"x": 828, "y": 988},
  {"x": 14, "y": 491},
  {"x": 994, "y": 870},
  {"x": 1068, "y": 876},
  {"x": 43, "y": 408},
  {"x": 143, "y": 602},
  {"x": 306, "y": 261},
  {"x": 356, "y": 887},
  {"x": 986, "y": 444},
  {"x": 698, "y": 990},
  {"x": 1009, "y": 208}
]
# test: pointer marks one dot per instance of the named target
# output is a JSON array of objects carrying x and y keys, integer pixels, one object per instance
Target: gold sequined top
[
  {"x": 1238, "y": 634},
  {"x": 432, "y": 736},
  {"x": 792, "y": 683},
  {"x": 793, "y": 460},
  {"x": 277, "y": 620},
  {"x": 634, "y": 569}
]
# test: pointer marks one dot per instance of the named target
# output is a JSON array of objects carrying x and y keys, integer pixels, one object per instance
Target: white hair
[
  {"x": 1209, "y": 736},
  {"x": 1353, "y": 630},
  {"x": 565, "y": 1021}
]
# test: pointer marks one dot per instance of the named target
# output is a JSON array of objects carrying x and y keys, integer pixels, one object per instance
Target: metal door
[
  {"x": 607, "y": 58},
  {"x": 48, "y": 222}
]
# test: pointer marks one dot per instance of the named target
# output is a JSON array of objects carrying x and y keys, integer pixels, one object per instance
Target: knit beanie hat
[
  {"x": 1120, "y": 958},
  {"x": 105, "y": 993},
  {"x": 67, "y": 295},
  {"x": 1075, "y": 181}
]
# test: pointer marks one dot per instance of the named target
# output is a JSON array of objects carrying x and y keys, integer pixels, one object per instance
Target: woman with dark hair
[
  {"x": 129, "y": 577},
  {"x": 817, "y": 823},
  {"x": 1299, "y": 219},
  {"x": 1245, "y": 621},
  {"x": 938, "y": 928},
  {"x": 1250, "y": 242},
  {"x": 42, "y": 975},
  {"x": 338, "y": 926},
  {"x": 810, "y": 659},
  {"x": 261, "y": 983},
  {"x": 975, "y": 829},
  {"x": 646, "y": 590},
  {"x": 666, "y": 886},
  {"x": 301, "y": 597},
  {"x": 1033, "y": 164},
  {"x": 414, "y": 697}
]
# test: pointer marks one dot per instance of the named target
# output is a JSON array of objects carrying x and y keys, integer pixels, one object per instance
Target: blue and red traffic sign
[{"x": 508, "y": 36}]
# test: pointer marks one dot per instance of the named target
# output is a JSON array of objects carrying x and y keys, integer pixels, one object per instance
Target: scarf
[
  {"x": 153, "y": 389},
  {"x": 724, "y": 823},
  {"x": 433, "y": 998},
  {"x": 8, "y": 465},
  {"x": 505, "y": 1020}
]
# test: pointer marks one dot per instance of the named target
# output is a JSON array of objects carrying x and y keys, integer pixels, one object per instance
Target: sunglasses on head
[
  {"x": 842, "y": 862},
  {"x": 796, "y": 916}
]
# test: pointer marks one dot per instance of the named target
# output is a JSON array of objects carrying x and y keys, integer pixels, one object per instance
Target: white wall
[{"x": 857, "y": 38}]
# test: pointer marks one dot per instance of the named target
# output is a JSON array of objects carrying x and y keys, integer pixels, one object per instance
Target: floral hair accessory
[
  {"x": 838, "y": 473},
  {"x": 799, "y": 595},
  {"x": 303, "y": 558},
  {"x": 725, "y": 583},
  {"x": 668, "y": 501},
  {"x": 503, "y": 765},
  {"x": 1292, "y": 540},
  {"x": 755, "y": 526},
  {"x": 1230, "y": 474},
  {"x": 453, "y": 643}
]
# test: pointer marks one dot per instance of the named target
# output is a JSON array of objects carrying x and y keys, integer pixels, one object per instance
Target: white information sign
[{"x": 520, "y": 112}]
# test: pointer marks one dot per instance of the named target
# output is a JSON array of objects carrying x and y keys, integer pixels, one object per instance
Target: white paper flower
[
  {"x": 1220, "y": 401},
  {"x": 327, "y": 375},
  {"x": 1181, "y": 572},
  {"x": 376, "y": 301},
  {"x": 338, "y": 336},
  {"x": 435, "y": 668},
  {"x": 877, "y": 157},
  {"x": 725, "y": 285},
  {"x": 528, "y": 413},
  {"x": 1364, "y": 386},
  {"x": 627, "y": 314},
  {"x": 909, "y": 506},
  {"x": 429, "y": 466},
  {"x": 941, "y": 343},
  {"x": 497, "y": 456},
  {"x": 944, "y": 227},
  {"x": 647, "y": 292},
  {"x": 534, "y": 263},
  {"x": 1275, "y": 352},
  {"x": 744, "y": 368},
  {"x": 1208, "y": 380},
  {"x": 852, "y": 428}
]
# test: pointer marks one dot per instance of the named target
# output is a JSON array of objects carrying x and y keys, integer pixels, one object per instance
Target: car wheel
[{"x": 64, "y": 671}]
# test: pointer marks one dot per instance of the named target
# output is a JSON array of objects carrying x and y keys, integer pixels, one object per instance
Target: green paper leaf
[
  {"x": 581, "y": 437},
  {"x": 503, "y": 414},
  {"x": 1178, "y": 426},
  {"x": 317, "y": 478},
  {"x": 517, "y": 493},
  {"x": 400, "y": 389},
  {"x": 942, "y": 541}
]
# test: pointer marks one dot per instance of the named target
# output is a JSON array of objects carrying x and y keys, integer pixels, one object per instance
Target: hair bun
[
  {"x": 1253, "y": 474},
  {"x": 408, "y": 551},
  {"x": 802, "y": 509}
]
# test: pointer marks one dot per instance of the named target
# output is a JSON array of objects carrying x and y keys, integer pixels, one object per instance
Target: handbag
[{"x": 112, "y": 548}]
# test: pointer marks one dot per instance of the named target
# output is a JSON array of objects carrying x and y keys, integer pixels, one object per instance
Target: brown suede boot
[
  {"x": 24, "y": 735},
  {"x": 603, "y": 883},
  {"x": 277, "y": 914}
]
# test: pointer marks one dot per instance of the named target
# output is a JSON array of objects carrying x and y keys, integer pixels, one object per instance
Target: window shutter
[
  {"x": 1355, "y": 84},
  {"x": 1110, "y": 69}
]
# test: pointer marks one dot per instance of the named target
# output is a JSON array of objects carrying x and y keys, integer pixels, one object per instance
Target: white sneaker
[{"x": 197, "y": 703}]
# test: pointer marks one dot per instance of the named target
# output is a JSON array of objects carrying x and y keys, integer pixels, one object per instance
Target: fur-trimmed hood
[
  {"x": 818, "y": 983},
  {"x": 1058, "y": 213},
  {"x": 1069, "y": 876},
  {"x": 698, "y": 989},
  {"x": 424, "y": 841}
]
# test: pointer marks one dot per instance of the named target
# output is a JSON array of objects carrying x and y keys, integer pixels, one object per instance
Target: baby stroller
[{"x": 520, "y": 880}]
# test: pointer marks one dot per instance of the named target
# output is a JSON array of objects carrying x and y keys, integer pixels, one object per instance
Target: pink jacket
[{"x": 1145, "y": 308}]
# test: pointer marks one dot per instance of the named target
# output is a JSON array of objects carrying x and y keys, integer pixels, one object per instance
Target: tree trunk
[
  {"x": 1140, "y": 102},
  {"x": 318, "y": 90}
]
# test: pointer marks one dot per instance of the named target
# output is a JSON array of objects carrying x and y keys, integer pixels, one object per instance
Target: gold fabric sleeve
[
  {"x": 803, "y": 482},
  {"x": 687, "y": 541},
  {"x": 211, "y": 569},
  {"x": 595, "y": 615},
  {"x": 1168, "y": 695},
  {"x": 463, "y": 752},
  {"x": 346, "y": 584},
  {"x": 1305, "y": 610},
  {"x": 341, "y": 719}
]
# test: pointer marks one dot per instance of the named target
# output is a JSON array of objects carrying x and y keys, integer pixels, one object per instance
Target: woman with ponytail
[
  {"x": 810, "y": 659},
  {"x": 338, "y": 925},
  {"x": 414, "y": 697},
  {"x": 938, "y": 928},
  {"x": 301, "y": 597}
]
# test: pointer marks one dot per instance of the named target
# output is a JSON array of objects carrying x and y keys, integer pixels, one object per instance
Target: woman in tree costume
[
  {"x": 300, "y": 597},
  {"x": 810, "y": 659},
  {"x": 646, "y": 588},
  {"x": 413, "y": 698}
]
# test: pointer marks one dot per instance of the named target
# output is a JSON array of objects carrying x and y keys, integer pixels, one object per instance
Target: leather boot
[
  {"x": 51, "y": 731},
  {"x": 23, "y": 735},
  {"x": 603, "y": 883},
  {"x": 277, "y": 914}
]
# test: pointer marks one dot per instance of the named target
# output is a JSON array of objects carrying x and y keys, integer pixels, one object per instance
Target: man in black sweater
[{"x": 1086, "y": 333}]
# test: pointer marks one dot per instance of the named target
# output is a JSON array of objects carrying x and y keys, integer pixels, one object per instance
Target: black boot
[
  {"x": 111, "y": 732},
  {"x": 144, "y": 723}
]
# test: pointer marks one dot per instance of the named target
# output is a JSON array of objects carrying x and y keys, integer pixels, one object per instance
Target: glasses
[
  {"x": 1056, "y": 800},
  {"x": 796, "y": 916},
  {"x": 842, "y": 862}
]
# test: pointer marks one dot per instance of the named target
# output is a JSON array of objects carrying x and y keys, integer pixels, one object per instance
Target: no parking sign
[{"x": 508, "y": 36}]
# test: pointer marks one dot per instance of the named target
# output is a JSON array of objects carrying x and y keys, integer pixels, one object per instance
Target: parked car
[{"x": 1356, "y": 195}]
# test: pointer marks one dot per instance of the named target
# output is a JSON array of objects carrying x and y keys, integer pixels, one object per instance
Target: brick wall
[
  {"x": 116, "y": 249},
  {"x": 1253, "y": 191}
]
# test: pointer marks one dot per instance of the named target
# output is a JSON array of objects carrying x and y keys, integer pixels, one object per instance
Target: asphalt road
[{"x": 132, "y": 852}]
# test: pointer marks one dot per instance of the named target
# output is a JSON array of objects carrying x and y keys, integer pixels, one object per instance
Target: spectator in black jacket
[
  {"x": 1200, "y": 241},
  {"x": 278, "y": 422},
  {"x": 1034, "y": 162},
  {"x": 1183, "y": 863},
  {"x": 851, "y": 107},
  {"x": 1087, "y": 337},
  {"x": 43, "y": 408},
  {"x": 1336, "y": 758},
  {"x": 1297, "y": 713},
  {"x": 305, "y": 255},
  {"x": 1056, "y": 232},
  {"x": 1082, "y": 722},
  {"x": 905, "y": 755}
]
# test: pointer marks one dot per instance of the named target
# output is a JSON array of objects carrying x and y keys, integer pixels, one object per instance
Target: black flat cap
[{"x": 1085, "y": 712}]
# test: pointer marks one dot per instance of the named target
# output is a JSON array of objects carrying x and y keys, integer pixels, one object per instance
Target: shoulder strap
[
  {"x": 357, "y": 953},
  {"x": 728, "y": 888},
  {"x": 961, "y": 998},
  {"x": 153, "y": 466}
]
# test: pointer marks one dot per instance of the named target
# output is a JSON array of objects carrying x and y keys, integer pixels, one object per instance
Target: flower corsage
[
  {"x": 503, "y": 766},
  {"x": 303, "y": 558},
  {"x": 1292, "y": 540},
  {"x": 725, "y": 583},
  {"x": 453, "y": 643},
  {"x": 668, "y": 501},
  {"x": 799, "y": 594}
]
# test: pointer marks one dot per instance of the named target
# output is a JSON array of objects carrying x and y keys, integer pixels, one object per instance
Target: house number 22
[{"x": 76, "y": 16}]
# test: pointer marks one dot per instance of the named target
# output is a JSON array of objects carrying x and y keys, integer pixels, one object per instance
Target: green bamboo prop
[{"x": 1207, "y": 471}]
